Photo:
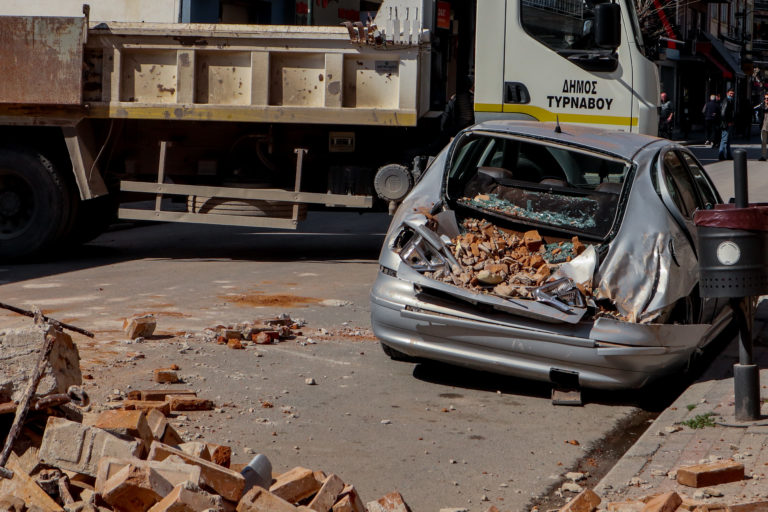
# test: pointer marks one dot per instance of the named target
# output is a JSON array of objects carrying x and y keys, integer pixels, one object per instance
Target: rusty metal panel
[{"x": 41, "y": 60}]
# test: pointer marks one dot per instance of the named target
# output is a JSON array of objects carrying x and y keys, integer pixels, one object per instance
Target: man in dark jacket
[
  {"x": 711, "y": 113},
  {"x": 727, "y": 116},
  {"x": 762, "y": 109}
]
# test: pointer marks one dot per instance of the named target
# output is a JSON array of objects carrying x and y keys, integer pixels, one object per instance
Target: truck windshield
[
  {"x": 561, "y": 25},
  {"x": 537, "y": 184}
]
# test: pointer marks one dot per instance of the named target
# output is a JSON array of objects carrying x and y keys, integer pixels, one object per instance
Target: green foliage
[
  {"x": 700, "y": 421},
  {"x": 691, "y": 407}
]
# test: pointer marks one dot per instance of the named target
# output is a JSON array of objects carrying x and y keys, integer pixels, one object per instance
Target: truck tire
[{"x": 34, "y": 203}]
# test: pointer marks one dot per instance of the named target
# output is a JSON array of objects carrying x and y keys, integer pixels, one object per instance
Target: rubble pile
[
  {"x": 505, "y": 263},
  {"x": 132, "y": 459},
  {"x": 266, "y": 332}
]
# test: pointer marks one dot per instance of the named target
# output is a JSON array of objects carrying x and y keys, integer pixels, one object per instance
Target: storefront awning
[
  {"x": 719, "y": 48},
  {"x": 706, "y": 50}
]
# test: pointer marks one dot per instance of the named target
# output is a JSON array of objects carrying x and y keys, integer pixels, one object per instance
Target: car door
[{"x": 685, "y": 188}]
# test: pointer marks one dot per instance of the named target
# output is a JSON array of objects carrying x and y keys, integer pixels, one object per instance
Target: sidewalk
[{"x": 649, "y": 466}]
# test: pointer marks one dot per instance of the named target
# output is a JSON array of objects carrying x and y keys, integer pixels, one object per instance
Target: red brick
[
  {"x": 327, "y": 495},
  {"x": 189, "y": 403},
  {"x": 667, "y": 502},
  {"x": 220, "y": 454},
  {"x": 146, "y": 405},
  {"x": 135, "y": 489},
  {"x": 392, "y": 502},
  {"x": 126, "y": 423},
  {"x": 585, "y": 501},
  {"x": 187, "y": 498},
  {"x": 532, "y": 240},
  {"x": 196, "y": 449},
  {"x": 265, "y": 337},
  {"x": 235, "y": 344},
  {"x": 714, "y": 473},
  {"x": 261, "y": 500},
  {"x": 350, "y": 495},
  {"x": 25, "y": 488},
  {"x": 221, "y": 480},
  {"x": 162, "y": 394},
  {"x": 173, "y": 472},
  {"x": 163, "y": 375},
  {"x": 758, "y": 506},
  {"x": 295, "y": 485}
]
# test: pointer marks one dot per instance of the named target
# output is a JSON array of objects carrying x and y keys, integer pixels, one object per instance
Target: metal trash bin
[{"x": 733, "y": 251}]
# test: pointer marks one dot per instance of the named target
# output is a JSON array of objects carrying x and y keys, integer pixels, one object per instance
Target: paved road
[
  {"x": 454, "y": 436},
  {"x": 722, "y": 172}
]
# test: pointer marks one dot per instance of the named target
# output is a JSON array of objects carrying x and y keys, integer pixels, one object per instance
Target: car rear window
[{"x": 537, "y": 183}]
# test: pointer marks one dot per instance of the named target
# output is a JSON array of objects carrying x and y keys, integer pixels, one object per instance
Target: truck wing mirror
[{"x": 608, "y": 25}]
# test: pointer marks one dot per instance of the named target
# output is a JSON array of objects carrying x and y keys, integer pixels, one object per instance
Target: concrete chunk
[
  {"x": 392, "y": 502},
  {"x": 20, "y": 349},
  {"x": 188, "y": 497},
  {"x": 327, "y": 495},
  {"x": 667, "y": 502},
  {"x": 157, "y": 423},
  {"x": 585, "y": 501},
  {"x": 714, "y": 473},
  {"x": 261, "y": 500},
  {"x": 196, "y": 449},
  {"x": 226, "y": 482},
  {"x": 139, "y": 326},
  {"x": 295, "y": 485},
  {"x": 135, "y": 488},
  {"x": 76, "y": 447},
  {"x": 173, "y": 472}
]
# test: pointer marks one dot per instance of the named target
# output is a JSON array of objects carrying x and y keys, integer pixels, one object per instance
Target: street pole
[{"x": 746, "y": 374}]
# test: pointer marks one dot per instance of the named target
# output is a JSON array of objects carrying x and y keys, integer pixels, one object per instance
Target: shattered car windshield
[{"x": 537, "y": 183}]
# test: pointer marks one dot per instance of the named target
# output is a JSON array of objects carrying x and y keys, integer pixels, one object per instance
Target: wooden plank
[{"x": 206, "y": 218}]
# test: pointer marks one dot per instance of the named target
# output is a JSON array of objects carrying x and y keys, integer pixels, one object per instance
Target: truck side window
[{"x": 560, "y": 24}]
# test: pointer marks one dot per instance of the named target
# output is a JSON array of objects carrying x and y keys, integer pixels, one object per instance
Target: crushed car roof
[{"x": 622, "y": 144}]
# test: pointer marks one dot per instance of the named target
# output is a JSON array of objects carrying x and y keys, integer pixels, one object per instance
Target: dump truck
[{"x": 254, "y": 125}]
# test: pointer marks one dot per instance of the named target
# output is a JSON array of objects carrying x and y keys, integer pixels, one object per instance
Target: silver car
[{"x": 560, "y": 254}]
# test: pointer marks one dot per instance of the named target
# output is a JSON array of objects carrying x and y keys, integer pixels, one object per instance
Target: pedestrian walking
[
  {"x": 666, "y": 113},
  {"x": 711, "y": 113},
  {"x": 716, "y": 129},
  {"x": 727, "y": 117},
  {"x": 762, "y": 109}
]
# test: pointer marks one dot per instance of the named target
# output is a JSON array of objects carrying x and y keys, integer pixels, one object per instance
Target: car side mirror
[{"x": 608, "y": 25}]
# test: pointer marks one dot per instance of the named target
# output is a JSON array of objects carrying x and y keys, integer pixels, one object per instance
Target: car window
[
  {"x": 708, "y": 194},
  {"x": 680, "y": 184}
]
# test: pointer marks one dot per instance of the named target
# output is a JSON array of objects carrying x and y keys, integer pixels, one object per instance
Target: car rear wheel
[
  {"x": 34, "y": 203},
  {"x": 396, "y": 355}
]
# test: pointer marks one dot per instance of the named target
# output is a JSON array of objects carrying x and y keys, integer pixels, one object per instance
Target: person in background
[
  {"x": 711, "y": 112},
  {"x": 727, "y": 117},
  {"x": 762, "y": 109},
  {"x": 666, "y": 114}
]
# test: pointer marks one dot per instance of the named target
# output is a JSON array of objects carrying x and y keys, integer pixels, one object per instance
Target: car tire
[
  {"x": 396, "y": 355},
  {"x": 35, "y": 203}
]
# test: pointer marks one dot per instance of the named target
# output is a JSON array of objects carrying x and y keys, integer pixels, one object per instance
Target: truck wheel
[{"x": 34, "y": 203}]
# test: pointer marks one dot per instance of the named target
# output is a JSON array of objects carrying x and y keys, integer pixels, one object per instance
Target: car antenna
[{"x": 557, "y": 126}]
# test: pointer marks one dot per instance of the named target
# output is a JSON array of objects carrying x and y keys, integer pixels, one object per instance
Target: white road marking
[
  {"x": 39, "y": 286},
  {"x": 62, "y": 301}
]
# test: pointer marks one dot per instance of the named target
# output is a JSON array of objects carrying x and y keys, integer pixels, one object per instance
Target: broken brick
[
  {"x": 585, "y": 501},
  {"x": 158, "y": 395},
  {"x": 165, "y": 376},
  {"x": 295, "y": 485},
  {"x": 189, "y": 403},
  {"x": 188, "y": 497},
  {"x": 196, "y": 449},
  {"x": 714, "y": 473},
  {"x": 221, "y": 480},
  {"x": 532, "y": 240},
  {"x": 667, "y": 502},
  {"x": 76, "y": 447},
  {"x": 163, "y": 408},
  {"x": 392, "y": 502},
  {"x": 265, "y": 337},
  {"x": 220, "y": 454},
  {"x": 261, "y": 500},
  {"x": 327, "y": 495},
  {"x": 140, "y": 326},
  {"x": 173, "y": 472},
  {"x": 235, "y": 344},
  {"x": 578, "y": 247},
  {"x": 135, "y": 489},
  {"x": 126, "y": 423},
  {"x": 350, "y": 495}
]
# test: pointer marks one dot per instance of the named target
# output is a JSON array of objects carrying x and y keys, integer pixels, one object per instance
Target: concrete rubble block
[
  {"x": 196, "y": 449},
  {"x": 126, "y": 424},
  {"x": 585, "y": 501},
  {"x": 189, "y": 403},
  {"x": 328, "y": 494},
  {"x": 229, "y": 484},
  {"x": 713, "y": 473},
  {"x": 22, "y": 486},
  {"x": 261, "y": 500},
  {"x": 135, "y": 488},
  {"x": 147, "y": 405},
  {"x": 350, "y": 495},
  {"x": 392, "y": 502},
  {"x": 139, "y": 326},
  {"x": 157, "y": 394},
  {"x": 220, "y": 454},
  {"x": 20, "y": 354},
  {"x": 173, "y": 472},
  {"x": 76, "y": 447},
  {"x": 188, "y": 497},
  {"x": 295, "y": 485},
  {"x": 667, "y": 502},
  {"x": 165, "y": 376}
]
